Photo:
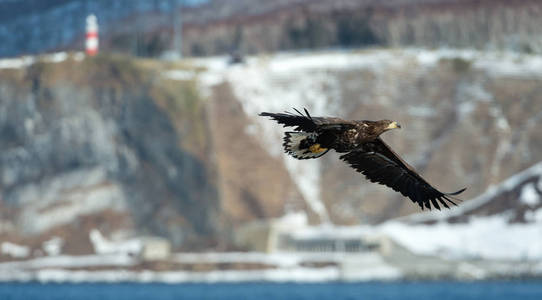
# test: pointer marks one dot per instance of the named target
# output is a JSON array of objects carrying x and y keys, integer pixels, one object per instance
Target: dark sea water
[{"x": 495, "y": 290}]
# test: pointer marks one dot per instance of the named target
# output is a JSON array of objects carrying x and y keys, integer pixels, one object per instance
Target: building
[
  {"x": 292, "y": 233},
  {"x": 155, "y": 248}
]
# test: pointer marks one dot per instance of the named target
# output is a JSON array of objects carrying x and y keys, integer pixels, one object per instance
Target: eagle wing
[
  {"x": 380, "y": 164},
  {"x": 307, "y": 123}
]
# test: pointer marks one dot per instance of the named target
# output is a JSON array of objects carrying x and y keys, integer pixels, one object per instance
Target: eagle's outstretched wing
[
  {"x": 380, "y": 164},
  {"x": 306, "y": 122}
]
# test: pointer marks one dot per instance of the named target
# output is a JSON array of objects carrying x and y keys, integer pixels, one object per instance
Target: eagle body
[
  {"x": 347, "y": 138},
  {"x": 363, "y": 150}
]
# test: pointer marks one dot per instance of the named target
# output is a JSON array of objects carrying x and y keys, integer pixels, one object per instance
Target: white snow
[
  {"x": 79, "y": 56},
  {"x": 534, "y": 216},
  {"x": 279, "y": 259},
  {"x": 293, "y": 219},
  {"x": 430, "y": 58},
  {"x": 25, "y": 61},
  {"x": 512, "y": 65},
  {"x": 299, "y": 274},
  {"x": 61, "y": 199},
  {"x": 472, "y": 204},
  {"x": 16, "y": 63},
  {"x": 495, "y": 63},
  {"x": 470, "y": 95},
  {"x": 104, "y": 246},
  {"x": 488, "y": 237},
  {"x": 483, "y": 237},
  {"x": 53, "y": 246},
  {"x": 68, "y": 261},
  {"x": 181, "y": 75},
  {"x": 14, "y": 250},
  {"x": 358, "y": 267},
  {"x": 342, "y": 60},
  {"x": 55, "y": 57},
  {"x": 468, "y": 270},
  {"x": 76, "y": 204},
  {"x": 529, "y": 195},
  {"x": 421, "y": 111},
  {"x": 369, "y": 267}
]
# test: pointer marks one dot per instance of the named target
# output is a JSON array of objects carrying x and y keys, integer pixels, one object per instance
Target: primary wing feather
[
  {"x": 380, "y": 164},
  {"x": 306, "y": 122}
]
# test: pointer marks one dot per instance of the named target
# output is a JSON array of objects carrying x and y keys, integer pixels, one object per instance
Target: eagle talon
[{"x": 316, "y": 148}]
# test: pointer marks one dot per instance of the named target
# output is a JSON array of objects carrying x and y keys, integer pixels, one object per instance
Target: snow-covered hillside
[{"x": 488, "y": 229}]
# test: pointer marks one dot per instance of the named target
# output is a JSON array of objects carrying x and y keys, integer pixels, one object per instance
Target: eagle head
[{"x": 386, "y": 125}]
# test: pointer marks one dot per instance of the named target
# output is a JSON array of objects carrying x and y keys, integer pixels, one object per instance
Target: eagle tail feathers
[{"x": 302, "y": 145}]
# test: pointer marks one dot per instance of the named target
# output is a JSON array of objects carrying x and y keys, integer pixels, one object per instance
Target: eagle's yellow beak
[{"x": 394, "y": 125}]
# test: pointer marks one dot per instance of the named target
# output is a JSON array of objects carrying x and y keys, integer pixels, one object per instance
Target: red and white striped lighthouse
[{"x": 91, "y": 41}]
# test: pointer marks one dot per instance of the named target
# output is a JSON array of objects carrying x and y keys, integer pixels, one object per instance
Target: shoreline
[{"x": 282, "y": 275}]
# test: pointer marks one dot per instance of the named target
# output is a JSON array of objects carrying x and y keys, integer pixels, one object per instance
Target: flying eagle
[{"x": 364, "y": 151}]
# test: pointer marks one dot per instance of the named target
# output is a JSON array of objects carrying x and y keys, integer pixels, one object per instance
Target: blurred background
[{"x": 131, "y": 149}]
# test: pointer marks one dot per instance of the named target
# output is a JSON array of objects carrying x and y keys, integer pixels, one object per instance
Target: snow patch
[
  {"x": 421, "y": 111},
  {"x": 511, "y": 65},
  {"x": 79, "y": 56},
  {"x": 534, "y": 216},
  {"x": 297, "y": 219},
  {"x": 344, "y": 60},
  {"x": 16, "y": 63},
  {"x": 104, "y": 246},
  {"x": 71, "y": 205},
  {"x": 25, "y": 61},
  {"x": 529, "y": 195},
  {"x": 495, "y": 63},
  {"x": 182, "y": 75},
  {"x": 53, "y": 246},
  {"x": 61, "y": 199},
  {"x": 69, "y": 261},
  {"x": 492, "y": 191},
  {"x": 490, "y": 237},
  {"x": 429, "y": 58},
  {"x": 55, "y": 57},
  {"x": 14, "y": 250},
  {"x": 467, "y": 270},
  {"x": 298, "y": 274},
  {"x": 350, "y": 267},
  {"x": 465, "y": 108}
]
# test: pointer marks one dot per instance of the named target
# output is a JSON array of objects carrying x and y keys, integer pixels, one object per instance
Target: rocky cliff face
[{"x": 98, "y": 144}]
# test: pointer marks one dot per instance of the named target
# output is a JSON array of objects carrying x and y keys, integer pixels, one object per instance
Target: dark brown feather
[
  {"x": 299, "y": 122},
  {"x": 380, "y": 164},
  {"x": 307, "y": 123}
]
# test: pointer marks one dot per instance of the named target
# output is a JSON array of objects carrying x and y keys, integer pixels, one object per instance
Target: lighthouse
[{"x": 91, "y": 41}]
